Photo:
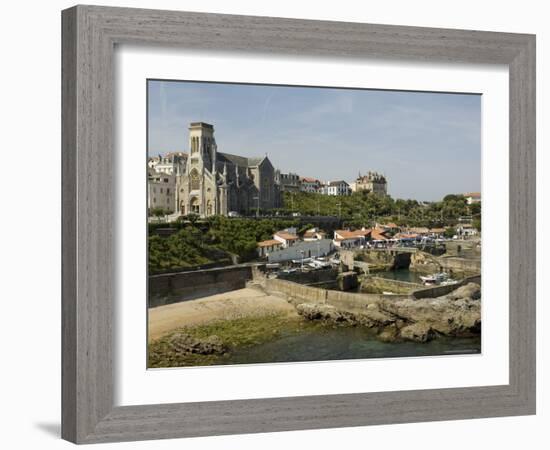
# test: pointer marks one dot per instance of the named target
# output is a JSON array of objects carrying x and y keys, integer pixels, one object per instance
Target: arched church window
[{"x": 194, "y": 180}]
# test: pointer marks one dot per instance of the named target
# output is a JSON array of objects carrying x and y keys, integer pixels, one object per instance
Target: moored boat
[{"x": 435, "y": 278}]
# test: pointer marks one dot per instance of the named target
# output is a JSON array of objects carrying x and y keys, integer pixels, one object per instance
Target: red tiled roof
[
  {"x": 347, "y": 234},
  {"x": 309, "y": 180},
  {"x": 377, "y": 236}
]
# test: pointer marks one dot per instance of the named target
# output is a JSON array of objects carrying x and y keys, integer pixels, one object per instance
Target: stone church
[{"x": 219, "y": 183}]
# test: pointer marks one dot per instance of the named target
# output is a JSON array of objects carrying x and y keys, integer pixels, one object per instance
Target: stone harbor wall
[
  {"x": 315, "y": 276},
  {"x": 299, "y": 293},
  {"x": 377, "y": 285},
  {"x": 426, "y": 263},
  {"x": 177, "y": 287}
]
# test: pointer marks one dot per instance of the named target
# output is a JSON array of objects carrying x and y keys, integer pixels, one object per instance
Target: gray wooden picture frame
[{"x": 89, "y": 36}]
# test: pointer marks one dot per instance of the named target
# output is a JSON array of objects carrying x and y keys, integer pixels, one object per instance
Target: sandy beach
[{"x": 247, "y": 302}]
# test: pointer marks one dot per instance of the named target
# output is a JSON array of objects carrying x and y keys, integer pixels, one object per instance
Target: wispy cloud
[{"x": 427, "y": 144}]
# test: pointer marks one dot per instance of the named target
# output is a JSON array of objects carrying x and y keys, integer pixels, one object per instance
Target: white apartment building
[
  {"x": 339, "y": 187},
  {"x": 287, "y": 237}
]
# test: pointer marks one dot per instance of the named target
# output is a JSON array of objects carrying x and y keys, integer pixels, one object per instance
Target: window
[
  {"x": 161, "y": 190},
  {"x": 195, "y": 180},
  {"x": 167, "y": 190}
]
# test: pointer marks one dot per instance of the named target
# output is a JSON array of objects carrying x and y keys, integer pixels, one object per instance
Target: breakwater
[
  {"x": 299, "y": 293},
  {"x": 377, "y": 284}
]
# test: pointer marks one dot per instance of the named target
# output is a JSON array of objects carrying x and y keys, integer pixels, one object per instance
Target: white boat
[
  {"x": 448, "y": 282},
  {"x": 321, "y": 264},
  {"x": 435, "y": 278}
]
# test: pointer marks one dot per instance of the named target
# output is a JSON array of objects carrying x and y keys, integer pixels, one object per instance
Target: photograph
[{"x": 292, "y": 224}]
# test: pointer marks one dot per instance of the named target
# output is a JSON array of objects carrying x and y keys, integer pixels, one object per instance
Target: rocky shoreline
[{"x": 421, "y": 320}]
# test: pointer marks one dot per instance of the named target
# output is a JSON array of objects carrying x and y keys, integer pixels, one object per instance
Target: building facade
[
  {"x": 339, "y": 187},
  {"x": 371, "y": 182},
  {"x": 287, "y": 182},
  {"x": 172, "y": 163},
  {"x": 161, "y": 192},
  {"x": 301, "y": 250},
  {"x": 218, "y": 183},
  {"x": 310, "y": 185}
]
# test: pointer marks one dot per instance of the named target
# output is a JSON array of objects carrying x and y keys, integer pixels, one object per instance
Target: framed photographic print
[{"x": 278, "y": 224}]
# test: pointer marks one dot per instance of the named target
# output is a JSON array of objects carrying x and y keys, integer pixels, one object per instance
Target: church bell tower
[{"x": 202, "y": 147}]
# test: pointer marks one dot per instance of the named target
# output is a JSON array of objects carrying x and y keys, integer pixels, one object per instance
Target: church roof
[
  {"x": 255, "y": 161},
  {"x": 242, "y": 161}
]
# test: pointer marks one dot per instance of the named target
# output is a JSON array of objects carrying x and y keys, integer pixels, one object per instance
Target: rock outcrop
[
  {"x": 185, "y": 344},
  {"x": 455, "y": 314}
]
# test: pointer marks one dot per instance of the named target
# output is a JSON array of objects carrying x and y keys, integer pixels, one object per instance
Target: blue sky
[{"x": 427, "y": 144}]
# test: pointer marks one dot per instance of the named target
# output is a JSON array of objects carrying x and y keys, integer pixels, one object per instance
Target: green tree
[
  {"x": 449, "y": 232},
  {"x": 158, "y": 212}
]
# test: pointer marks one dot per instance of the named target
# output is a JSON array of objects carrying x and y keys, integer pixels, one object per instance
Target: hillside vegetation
[{"x": 363, "y": 209}]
